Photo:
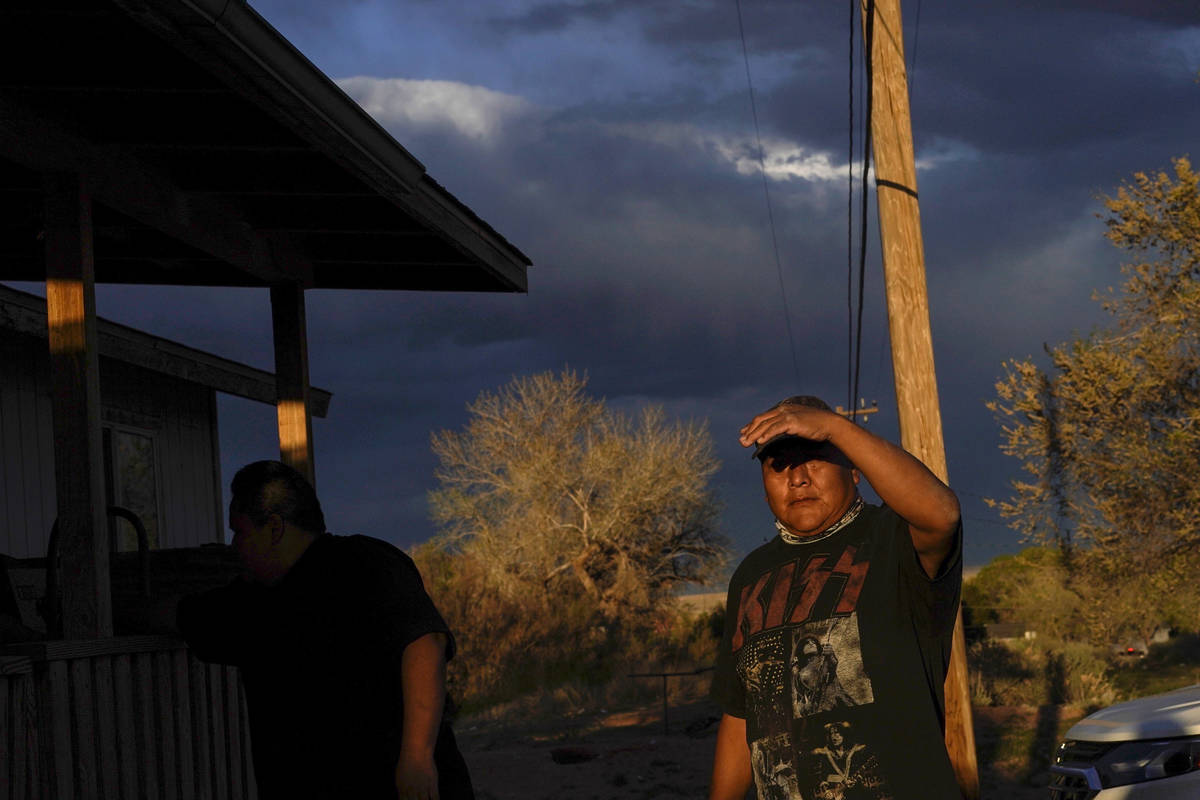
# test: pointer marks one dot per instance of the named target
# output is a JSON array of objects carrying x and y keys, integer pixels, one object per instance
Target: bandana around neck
[{"x": 851, "y": 514}]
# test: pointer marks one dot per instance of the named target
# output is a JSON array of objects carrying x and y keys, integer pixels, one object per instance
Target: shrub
[
  {"x": 558, "y": 651},
  {"x": 1038, "y": 672},
  {"x": 998, "y": 674}
]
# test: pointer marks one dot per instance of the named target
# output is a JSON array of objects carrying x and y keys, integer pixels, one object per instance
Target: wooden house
[
  {"x": 181, "y": 142},
  {"x": 158, "y": 423}
]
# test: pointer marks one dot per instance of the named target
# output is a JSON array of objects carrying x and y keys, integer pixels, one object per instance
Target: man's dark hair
[
  {"x": 804, "y": 400},
  {"x": 272, "y": 487}
]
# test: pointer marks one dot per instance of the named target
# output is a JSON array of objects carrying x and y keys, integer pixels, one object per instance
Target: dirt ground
[
  {"x": 600, "y": 757},
  {"x": 614, "y": 756}
]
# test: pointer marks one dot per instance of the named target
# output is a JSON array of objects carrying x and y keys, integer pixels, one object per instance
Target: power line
[
  {"x": 868, "y": 40},
  {"x": 912, "y": 62},
  {"x": 762, "y": 169},
  {"x": 851, "y": 402}
]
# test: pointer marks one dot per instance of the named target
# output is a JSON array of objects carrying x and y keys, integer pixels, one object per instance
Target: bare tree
[{"x": 547, "y": 489}]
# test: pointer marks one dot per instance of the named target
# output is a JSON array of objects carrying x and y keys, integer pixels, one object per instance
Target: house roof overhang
[{"x": 217, "y": 154}]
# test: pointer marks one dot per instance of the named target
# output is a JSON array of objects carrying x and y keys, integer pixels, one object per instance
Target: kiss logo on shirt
[{"x": 817, "y": 586}]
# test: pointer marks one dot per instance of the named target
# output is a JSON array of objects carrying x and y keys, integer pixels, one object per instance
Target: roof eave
[{"x": 358, "y": 141}]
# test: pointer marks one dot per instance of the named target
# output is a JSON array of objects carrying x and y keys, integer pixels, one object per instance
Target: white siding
[
  {"x": 26, "y": 447},
  {"x": 180, "y": 414}
]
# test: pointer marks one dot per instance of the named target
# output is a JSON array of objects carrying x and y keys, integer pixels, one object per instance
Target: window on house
[{"x": 131, "y": 470}]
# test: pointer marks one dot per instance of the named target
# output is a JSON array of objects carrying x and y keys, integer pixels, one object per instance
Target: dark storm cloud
[
  {"x": 588, "y": 176},
  {"x": 601, "y": 288},
  {"x": 636, "y": 313},
  {"x": 998, "y": 77},
  {"x": 1167, "y": 13},
  {"x": 773, "y": 23},
  {"x": 612, "y": 224},
  {"x": 1109, "y": 80},
  {"x": 540, "y": 18}
]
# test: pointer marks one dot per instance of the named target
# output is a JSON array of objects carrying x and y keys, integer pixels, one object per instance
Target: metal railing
[{"x": 664, "y": 676}]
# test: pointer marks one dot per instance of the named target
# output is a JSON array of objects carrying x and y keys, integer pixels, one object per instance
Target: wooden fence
[{"x": 122, "y": 718}]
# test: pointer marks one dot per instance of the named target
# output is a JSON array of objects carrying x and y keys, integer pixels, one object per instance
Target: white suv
[{"x": 1146, "y": 748}]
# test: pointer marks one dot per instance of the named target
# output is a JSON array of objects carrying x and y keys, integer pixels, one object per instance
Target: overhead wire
[
  {"x": 912, "y": 60},
  {"x": 868, "y": 40},
  {"x": 855, "y": 311},
  {"x": 850, "y": 226},
  {"x": 762, "y": 169}
]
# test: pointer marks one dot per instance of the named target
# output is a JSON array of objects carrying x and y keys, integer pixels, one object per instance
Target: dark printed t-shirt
[
  {"x": 835, "y": 652},
  {"x": 319, "y": 654}
]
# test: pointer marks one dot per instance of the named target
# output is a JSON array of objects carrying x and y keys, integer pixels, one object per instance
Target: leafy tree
[
  {"x": 548, "y": 490},
  {"x": 1109, "y": 434},
  {"x": 1029, "y": 588}
]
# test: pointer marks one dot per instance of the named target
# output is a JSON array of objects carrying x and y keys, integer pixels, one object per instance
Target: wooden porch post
[
  {"x": 291, "y": 378},
  {"x": 75, "y": 383}
]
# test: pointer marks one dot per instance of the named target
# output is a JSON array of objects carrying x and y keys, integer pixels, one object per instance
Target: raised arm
[{"x": 905, "y": 484}]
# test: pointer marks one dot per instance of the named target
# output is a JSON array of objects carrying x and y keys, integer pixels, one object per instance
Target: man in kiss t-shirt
[{"x": 838, "y": 630}]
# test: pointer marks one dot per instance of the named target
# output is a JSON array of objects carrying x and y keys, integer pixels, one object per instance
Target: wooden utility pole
[{"x": 908, "y": 318}]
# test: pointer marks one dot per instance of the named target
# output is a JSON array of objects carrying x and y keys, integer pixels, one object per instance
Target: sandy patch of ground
[{"x": 603, "y": 757}]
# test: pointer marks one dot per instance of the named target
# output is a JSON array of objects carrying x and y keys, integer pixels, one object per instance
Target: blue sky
[{"x": 613, "y": 143}]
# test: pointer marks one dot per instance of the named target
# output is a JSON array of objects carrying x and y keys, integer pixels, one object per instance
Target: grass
[{"x": 1139, "y": 679}]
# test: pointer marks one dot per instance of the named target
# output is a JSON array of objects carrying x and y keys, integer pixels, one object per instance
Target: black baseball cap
[{"x": 795, "y": 400}]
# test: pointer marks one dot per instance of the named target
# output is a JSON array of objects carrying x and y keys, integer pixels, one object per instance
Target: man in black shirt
[
  {"x": 838, "y": 629},
  {"x": 341, "y": 651}
]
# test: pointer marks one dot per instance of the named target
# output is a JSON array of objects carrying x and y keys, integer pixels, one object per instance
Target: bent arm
[
  {"x": 731, "y": 776},
  {"x": 905, "y": 484},
  {"x": 423, "y": 685}
]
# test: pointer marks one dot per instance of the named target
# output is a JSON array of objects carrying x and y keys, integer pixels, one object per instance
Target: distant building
[{"x": 1008, "y": 630}]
